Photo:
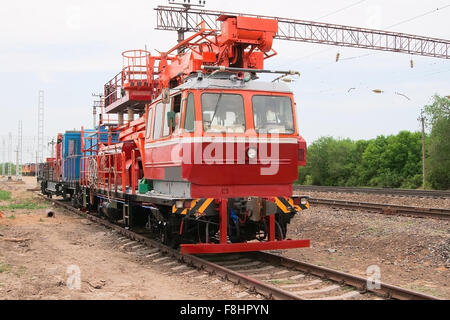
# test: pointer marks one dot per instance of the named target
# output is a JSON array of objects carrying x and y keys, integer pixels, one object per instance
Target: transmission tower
[
  {"x": 40, "y": 145},
  {"x": 9, "y": 155},
  {"x": 19, "y": 153},
  {"x": 3, "y": 157}
]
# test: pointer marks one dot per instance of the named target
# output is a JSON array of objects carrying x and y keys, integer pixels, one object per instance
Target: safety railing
[
  {"x": 137, "y": 74},
  {"x": 135, "y": 64},
  {"x": 113, "y": 90}
]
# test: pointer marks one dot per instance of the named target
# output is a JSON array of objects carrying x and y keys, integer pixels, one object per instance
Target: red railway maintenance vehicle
[
  {"x": 208, "y": 154},
  {"x": 29, "y": 169}
]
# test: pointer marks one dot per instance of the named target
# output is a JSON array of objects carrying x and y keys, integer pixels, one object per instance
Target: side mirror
[{"x": 165, "y": 95}]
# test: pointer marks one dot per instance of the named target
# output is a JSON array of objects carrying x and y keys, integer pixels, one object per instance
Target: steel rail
[
  {"x": 387, "y": 209},
  {"x": 382, "y": 191},
  {"x": 384, "y": 290},
  {"x": 254, "y": 285}
]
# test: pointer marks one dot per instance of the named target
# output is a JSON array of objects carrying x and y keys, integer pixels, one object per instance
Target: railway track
[
  {"x": 269, "y": 275},
  {"x": 387, "y": 209},
  {"x": 390, "y": 192}
]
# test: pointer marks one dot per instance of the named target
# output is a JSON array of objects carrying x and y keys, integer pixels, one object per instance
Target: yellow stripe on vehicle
[
  {"x": 281, "y": 205},
  {"x": 205, "y": 205}
]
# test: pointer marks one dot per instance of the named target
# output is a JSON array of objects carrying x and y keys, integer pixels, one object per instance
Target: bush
[{"x": 5, "y": 195}]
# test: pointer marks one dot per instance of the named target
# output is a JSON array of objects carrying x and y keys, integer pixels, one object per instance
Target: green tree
[
  {"x": 393, "y": 161},
  {"x": 438, "y": 144}
]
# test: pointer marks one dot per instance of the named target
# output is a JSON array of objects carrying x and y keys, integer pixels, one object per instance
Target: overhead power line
[
  {"x": 342, "y": 9},
  {"x": 419, "y": 16},
  {"x": 397, "y": 24}
]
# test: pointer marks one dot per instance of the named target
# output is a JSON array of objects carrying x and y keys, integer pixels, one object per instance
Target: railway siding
[
  {"x": 387, "y": 209},
  {"x": 435, "y": 194},
  {"x": 391, "y": 199}
]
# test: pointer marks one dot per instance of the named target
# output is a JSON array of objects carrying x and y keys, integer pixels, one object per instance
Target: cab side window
[
  {"x": 167, "y": 112},
  {"x": 149, "y": 123},
  {"x": 158, "y": 121},
  {"x": 176, "y": 121},
  {"x": 72, "y": 147},
  {"x": 189, "y": 122}
]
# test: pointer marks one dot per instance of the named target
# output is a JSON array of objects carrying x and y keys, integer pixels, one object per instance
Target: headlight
[
  {"x": 304, "y": 201},
  {"x": 179, "y": 204},
  {"x": 252, "y": 153}
]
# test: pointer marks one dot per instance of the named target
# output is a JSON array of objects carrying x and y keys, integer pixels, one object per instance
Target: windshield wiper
[{"x": 217, "y": 107}]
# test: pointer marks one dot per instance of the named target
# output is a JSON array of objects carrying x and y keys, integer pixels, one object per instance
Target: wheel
[
  {"x": 280, "y": 231},
  {"x": 165, "y": 234}
]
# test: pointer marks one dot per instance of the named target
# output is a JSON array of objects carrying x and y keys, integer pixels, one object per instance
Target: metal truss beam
[{"x": 188, "y": 20}]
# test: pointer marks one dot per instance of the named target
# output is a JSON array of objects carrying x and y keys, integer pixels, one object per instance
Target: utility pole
[
  {"x": 3, "y": 157},
  {"x": 98, "y": 104},
  {"x": 17, "y": 162},
  {"x": 424, "y": 172},
  {"x": 9, "y": 155},
  {"x": 19, "y": 154},
  {"x": 40, "y": 145},
  {"x": 37, "y": 165},
  {"x": 52, "y": 143}
]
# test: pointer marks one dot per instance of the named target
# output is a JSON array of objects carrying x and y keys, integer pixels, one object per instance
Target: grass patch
[
  {"x": 12, "y": 217},
  {"x": 5, "y": 195},
  {"x": 347, "y": 289},
  {"x": 4, "y": 267},
  {"x": 426, "y": 290},
  {"x": 26, "y": 204}
]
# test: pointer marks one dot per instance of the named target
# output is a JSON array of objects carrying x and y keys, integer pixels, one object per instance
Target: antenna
[{"x": 187, "y": 3}]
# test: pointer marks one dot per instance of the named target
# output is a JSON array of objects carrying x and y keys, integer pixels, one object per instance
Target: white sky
[{"x": 71, "y": 48}]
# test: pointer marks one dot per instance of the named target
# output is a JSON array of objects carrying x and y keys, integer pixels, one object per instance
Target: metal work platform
[{"x": 137, "y": 101}]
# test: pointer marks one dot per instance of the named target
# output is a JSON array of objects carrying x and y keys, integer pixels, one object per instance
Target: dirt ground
[
  {"x": 410, "y": 252},
  {"x": 54, "y": 249}
]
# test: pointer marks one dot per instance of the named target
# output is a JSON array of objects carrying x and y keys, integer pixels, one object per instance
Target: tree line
[{"x": 393, "y": 161}]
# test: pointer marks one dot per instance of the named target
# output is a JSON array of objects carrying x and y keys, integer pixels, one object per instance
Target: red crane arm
[
  {"x": 180, "y": 19},
  {"x": 241, "y": 42}
]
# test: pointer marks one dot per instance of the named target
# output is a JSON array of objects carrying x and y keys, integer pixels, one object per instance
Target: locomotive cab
[{"x": 224, "y": 138}]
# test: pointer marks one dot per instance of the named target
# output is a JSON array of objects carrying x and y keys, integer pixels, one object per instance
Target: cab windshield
[
  {"x": 273, "y": 114},
  {"x": 223, "y": 113}
]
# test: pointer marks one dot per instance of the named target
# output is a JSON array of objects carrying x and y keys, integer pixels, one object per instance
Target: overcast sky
[{"x": 71, "y": 48}]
